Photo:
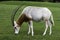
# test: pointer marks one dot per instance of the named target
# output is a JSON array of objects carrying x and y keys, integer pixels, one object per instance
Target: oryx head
[{"x": 16, "y": 27}]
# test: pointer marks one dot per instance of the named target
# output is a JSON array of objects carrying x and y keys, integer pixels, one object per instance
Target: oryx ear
[{"x": 14, "y": 22}]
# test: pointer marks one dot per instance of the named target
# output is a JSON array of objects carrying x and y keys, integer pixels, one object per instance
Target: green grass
[{"x": 6, "y": 28}]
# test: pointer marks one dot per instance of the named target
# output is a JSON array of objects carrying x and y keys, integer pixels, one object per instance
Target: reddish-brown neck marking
[{"x": 23, "y": 18}]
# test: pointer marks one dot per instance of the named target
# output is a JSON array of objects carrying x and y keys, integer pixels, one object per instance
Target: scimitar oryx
[{"x": 30, "y": 14}]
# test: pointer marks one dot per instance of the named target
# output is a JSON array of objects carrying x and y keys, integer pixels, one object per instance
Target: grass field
[{"x": 6, "y": 28}]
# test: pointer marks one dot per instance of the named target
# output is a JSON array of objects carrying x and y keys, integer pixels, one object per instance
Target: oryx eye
[{"x": 14, "y": 27}]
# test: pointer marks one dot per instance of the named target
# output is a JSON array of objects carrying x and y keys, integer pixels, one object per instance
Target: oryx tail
[{"x": 52, "y": 21}]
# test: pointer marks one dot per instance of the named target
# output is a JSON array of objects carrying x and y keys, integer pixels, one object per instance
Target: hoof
[{"x": 43, "y": 34}]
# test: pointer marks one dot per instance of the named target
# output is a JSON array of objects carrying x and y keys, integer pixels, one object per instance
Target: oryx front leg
[
  {"x": 31, "y": 26},
  {"x": 45, "y": 28}
]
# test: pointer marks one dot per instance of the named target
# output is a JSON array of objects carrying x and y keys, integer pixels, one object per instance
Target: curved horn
[{"x": 13, "y": 14}]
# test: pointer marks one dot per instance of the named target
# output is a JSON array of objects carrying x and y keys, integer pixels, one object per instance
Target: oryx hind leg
[
  {"x": 50, "y": 25},
  {"x": 46, "y": 23}
]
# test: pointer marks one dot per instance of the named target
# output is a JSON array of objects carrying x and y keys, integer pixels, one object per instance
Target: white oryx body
[{"x": 35, "y": 14}]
